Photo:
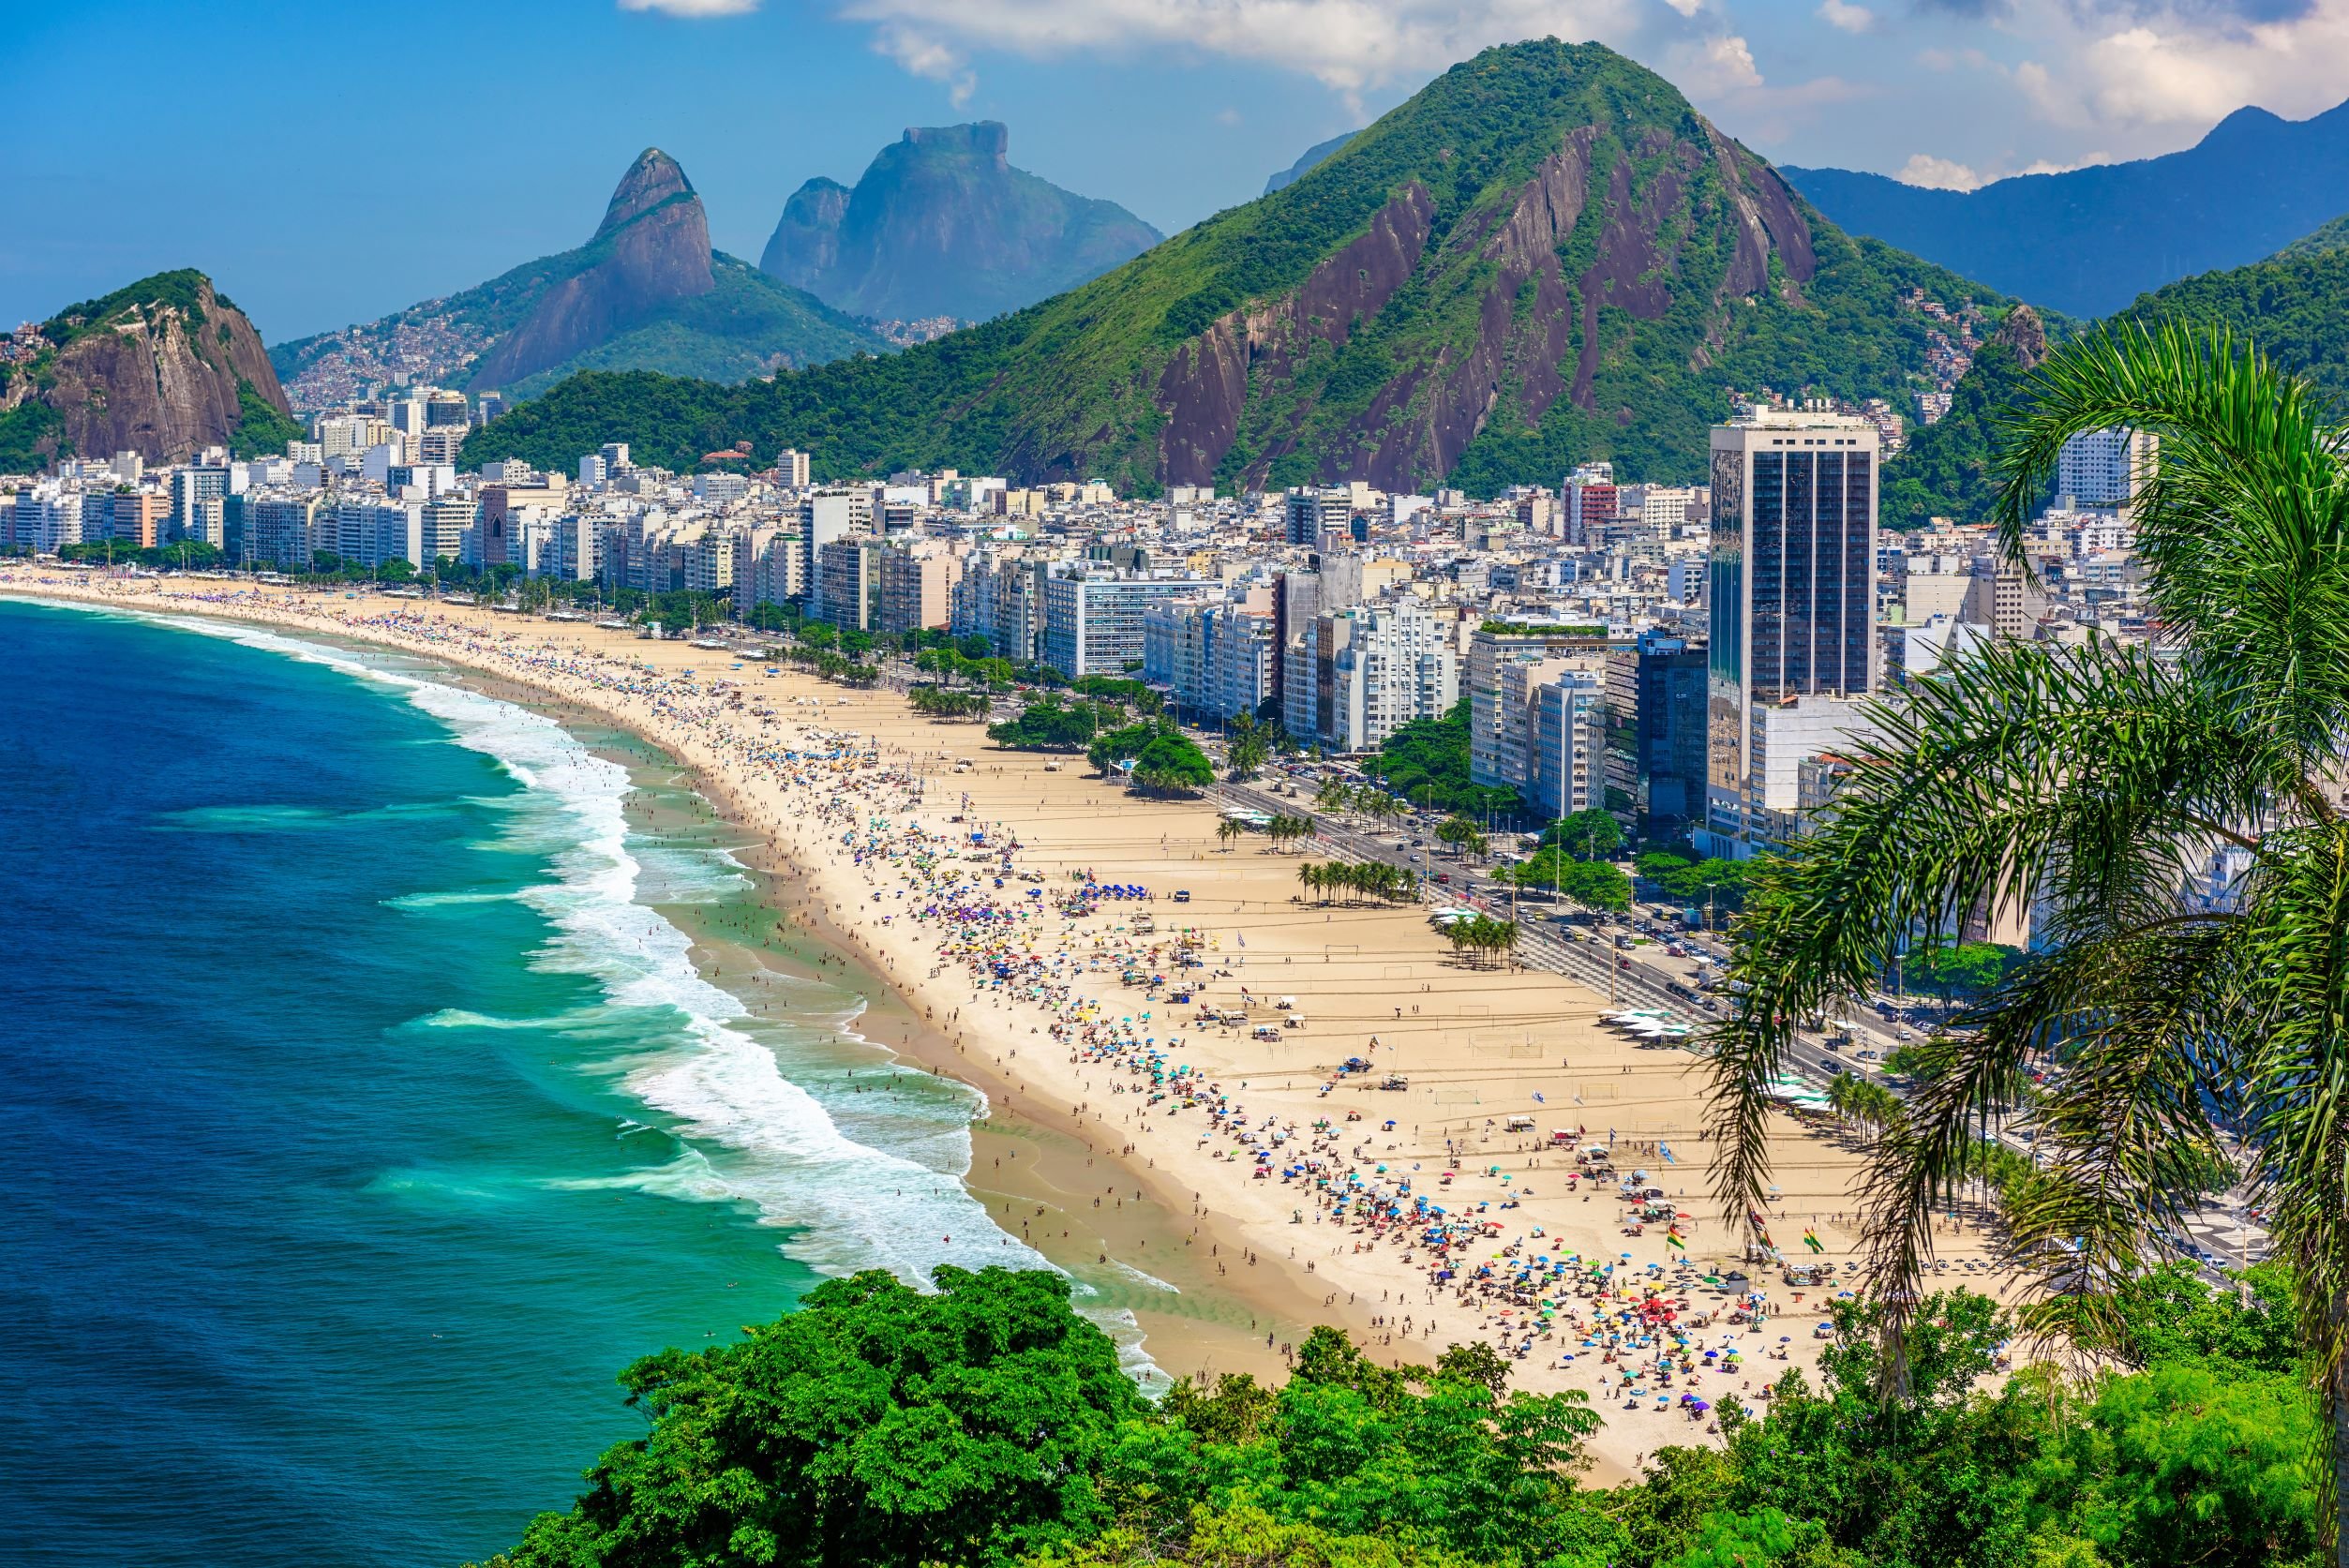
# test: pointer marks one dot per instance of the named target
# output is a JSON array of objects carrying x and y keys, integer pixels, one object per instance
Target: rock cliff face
[
  {"x": 942, "y": 224},
  {"x": 1526, "y": 332},
  {"x": 164, "y": 367},
  {"x": 653, "y": 248}
]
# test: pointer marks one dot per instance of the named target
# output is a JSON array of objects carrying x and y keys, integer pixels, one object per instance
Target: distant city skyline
[{"x": 329, "y": 165}]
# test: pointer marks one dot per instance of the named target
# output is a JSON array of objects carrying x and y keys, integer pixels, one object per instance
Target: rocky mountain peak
[
  {"x": 651, "y": 249},
  {"x": 652, "y": 179},
  {"x": 163, "y": 367},
  {"x": 2026, "y": 333},
  {"x": 988, "y": 138},
  {"x": 940, "y": 224}
]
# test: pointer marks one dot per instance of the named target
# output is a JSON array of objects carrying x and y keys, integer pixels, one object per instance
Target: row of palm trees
[
  {"x": 831, "y": 665},
  {"x": 937, "y": 702},
  {"x": 1280, "y": 829},
  {"x": 1369, "y": 879},
  {"x": 1862, "y": 1102},
  {"x": 1481, "y": 938},
  {"x": 1336, "y": 795}
]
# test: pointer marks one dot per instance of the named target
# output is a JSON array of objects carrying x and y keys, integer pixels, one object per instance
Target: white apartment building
[{"x": 1377, "y": 669}]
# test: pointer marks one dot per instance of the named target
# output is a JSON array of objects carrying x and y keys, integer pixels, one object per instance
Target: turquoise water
[{"x": 367, "y": 1112}]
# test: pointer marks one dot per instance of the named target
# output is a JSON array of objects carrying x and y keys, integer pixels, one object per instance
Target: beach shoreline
[{"x": 1493, "y": 1062}]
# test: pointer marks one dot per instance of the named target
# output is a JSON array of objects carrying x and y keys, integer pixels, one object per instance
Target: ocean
[{"x": 367, "y": 1110}]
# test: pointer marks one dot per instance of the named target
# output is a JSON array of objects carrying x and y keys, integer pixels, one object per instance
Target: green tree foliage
[
  {"x": 1049, "y": 725},
  {"x": 1946, "y": 469},
  {"x": 1164, "y": 760},
  {"x": 1588, "y": 834},
  {"x": 878, "y": 1425},
  {"x": 1425, "y": 762},
  {"x": 1688, "y": 881},
  {"x": 1462, "y": 835},
  {"x": 1481, "y": 936},
  {"x": 938, "y": 703},
  {"x": 32, "y": 436},
  {"x": 1246, "y": 750},
  {"x": 1171, "y": 763},
  {"x": 184, "y": 555},
  {"x": 1357, "y": 879},
  {"x": 1139, "y": 696},
  {"x": 989, "y": 1424},
  {"x": 1592, "y": 884},
  {"x": 261, "y": 431},
  {"x": 1960, "y": 968}
]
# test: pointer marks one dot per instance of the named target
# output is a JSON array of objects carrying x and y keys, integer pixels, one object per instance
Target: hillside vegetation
[
  {"x": 988, "y": 1426},
  {"x": 2292, "y": 306}
]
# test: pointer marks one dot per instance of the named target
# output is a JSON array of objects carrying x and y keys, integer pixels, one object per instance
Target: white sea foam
[
  {"x": 752, "y": 1133},
  {"x": 687, "y": 1047}
]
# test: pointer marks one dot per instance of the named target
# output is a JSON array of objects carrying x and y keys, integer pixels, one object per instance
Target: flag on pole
[
  {"x": 1537, "y": 1099},
  {"x": 1666, "y": 1150},
  {"x": 1672, "y": 1239},
  {"x": 1810, "y": 1239}
]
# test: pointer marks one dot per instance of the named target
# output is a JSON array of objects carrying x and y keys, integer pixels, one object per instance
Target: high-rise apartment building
[
  {"x": 1655, "y": 733},
  {"x": 917, "y": 587},
  {"x": 1093, "y": 624},
  {"x": 2101, "y": 468},
  {"x": 1496, "y": 746},
  {"x": 1316, "y": 514},
  {"x": 791, "y": 469},
  {"x": 1792, "y": 599},
  {"x": 1376, "y": 669}
]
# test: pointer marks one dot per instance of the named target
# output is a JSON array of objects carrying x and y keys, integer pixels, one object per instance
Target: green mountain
[
  {"x": 1945, "y": 471},
  {"x": 1546, "y": 256},
  {"x": 2292, "y": 306},
  {"x": 164, "y": 367},
  {"x": 942, "y": 224},
  {"x": 645, "y": 293},
  {"x": 2332, "y": 236}
]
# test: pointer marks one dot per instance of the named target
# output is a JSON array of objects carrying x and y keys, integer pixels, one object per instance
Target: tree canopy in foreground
[{"x": 987, "y": 1423}]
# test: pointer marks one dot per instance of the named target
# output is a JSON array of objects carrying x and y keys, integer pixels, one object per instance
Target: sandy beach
[{"x": 1163, "y": 1069}]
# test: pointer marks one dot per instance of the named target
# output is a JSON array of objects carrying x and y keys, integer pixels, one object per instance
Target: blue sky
[{"x": 327, "y": 163}]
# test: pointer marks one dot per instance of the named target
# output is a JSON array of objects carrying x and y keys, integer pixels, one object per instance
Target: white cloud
[
  {"x": 692, "y": 7},
  {"x": 920, "y": 53},
  {"x": 2160, "y": 65},
  {"x": 1844, "y": 15},
  {"x": 1349, "y": 45},
  {"x": 1937, "y": 173},
  {"x": 1711, "y": 66}
]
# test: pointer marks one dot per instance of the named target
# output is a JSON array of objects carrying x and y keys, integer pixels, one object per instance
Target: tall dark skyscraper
[{"x": 1793, "y": 599}]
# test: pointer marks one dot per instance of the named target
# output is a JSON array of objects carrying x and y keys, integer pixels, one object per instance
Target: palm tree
[
  {"x": 2099, "y": 786},
  {"x": 1226, "y": 831}
]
